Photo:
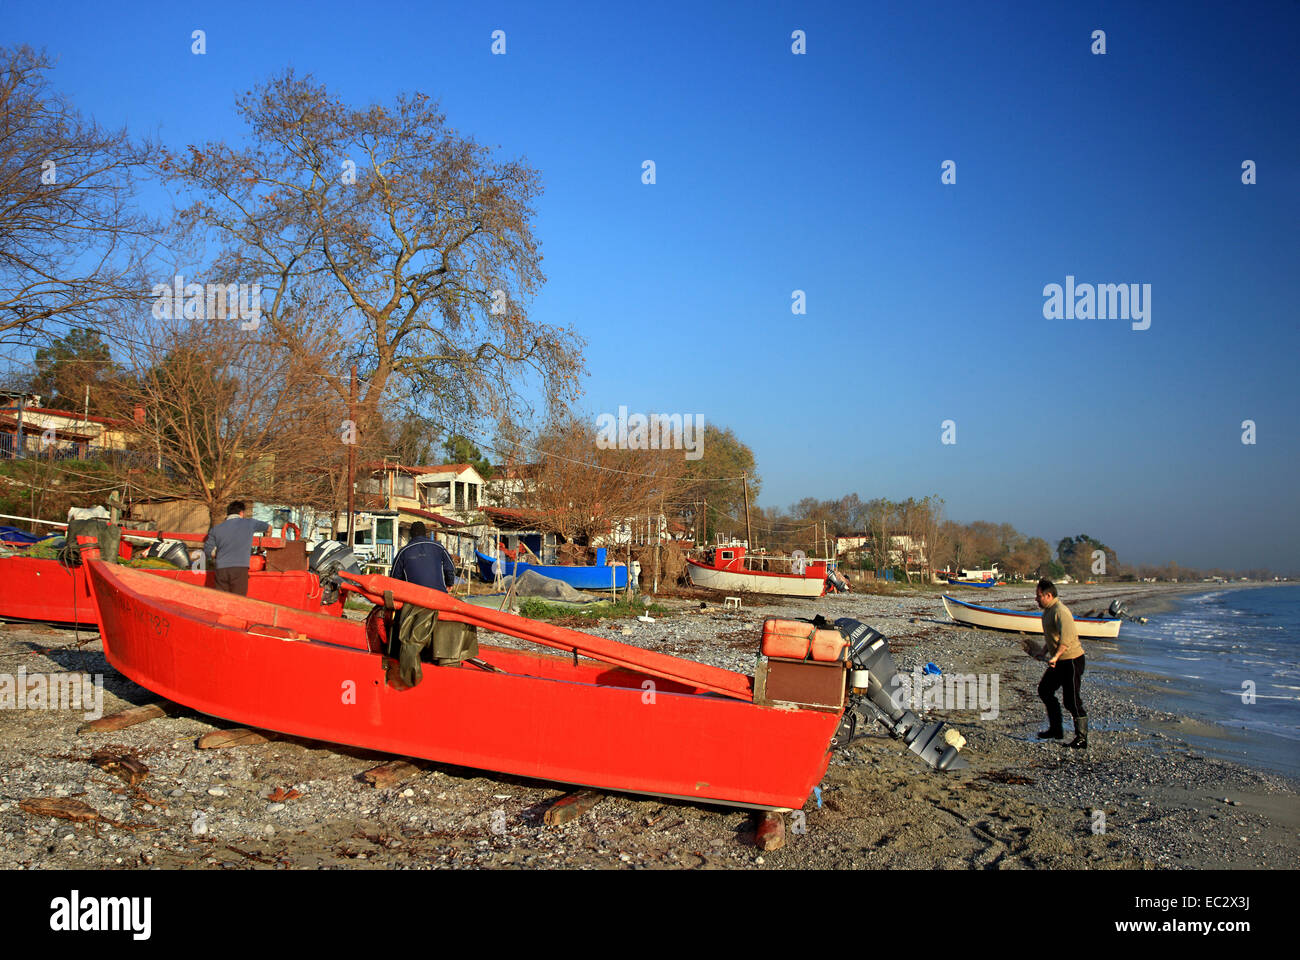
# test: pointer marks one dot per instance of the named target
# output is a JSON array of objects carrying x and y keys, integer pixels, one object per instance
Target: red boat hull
[
  {"x": 49, "y": 592},
  {"x": 560, "y": 718}
]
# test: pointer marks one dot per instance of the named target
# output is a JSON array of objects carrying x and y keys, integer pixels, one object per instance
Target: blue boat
[
  {"x": 972, "y": 583},
  {"x": 598, "y": 577}
]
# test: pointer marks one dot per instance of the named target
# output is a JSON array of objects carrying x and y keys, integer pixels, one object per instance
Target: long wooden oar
[{"x": 714, "y": 679}]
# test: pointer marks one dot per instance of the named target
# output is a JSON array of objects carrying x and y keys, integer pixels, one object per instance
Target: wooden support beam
[
  {"x": 130, "y": 717},
  {"x": 238, "y": 737},
  {"x": 392, "y": 773},
  {"x": 770, "y": 833},
  {"x": 571, "y": 806}
]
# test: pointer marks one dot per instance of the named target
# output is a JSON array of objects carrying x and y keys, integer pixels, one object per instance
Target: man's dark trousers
[
  {"x": 1066, "y": 677},
  {"x": 232, "y": 580}
]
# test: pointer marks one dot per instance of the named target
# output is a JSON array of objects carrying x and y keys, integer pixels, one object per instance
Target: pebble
[
  {"x": 217, "y": 791},
  {"x": 269, "y": 830},
  {"x": 408, "y": 792},
  {"x": 178, "y": 792},
  {"x": 760, "y": 861},
  {"x": 274, "y": 807}
]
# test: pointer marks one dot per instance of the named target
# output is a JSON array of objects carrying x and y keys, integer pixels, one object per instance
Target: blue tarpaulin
[{"x": 14, "y": 535}]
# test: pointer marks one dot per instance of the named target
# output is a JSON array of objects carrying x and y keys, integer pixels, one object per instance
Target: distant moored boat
[{"x": 1024, "y": 621}]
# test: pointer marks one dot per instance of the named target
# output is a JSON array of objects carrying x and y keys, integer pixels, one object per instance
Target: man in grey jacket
[{"x": 229, "y": 544}]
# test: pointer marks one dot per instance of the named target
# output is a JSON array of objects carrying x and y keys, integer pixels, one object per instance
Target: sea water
[{"x": 1233, "y": 659}]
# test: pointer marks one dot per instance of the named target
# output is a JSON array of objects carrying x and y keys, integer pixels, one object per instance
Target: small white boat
[{"x": 1025, "y": 621}]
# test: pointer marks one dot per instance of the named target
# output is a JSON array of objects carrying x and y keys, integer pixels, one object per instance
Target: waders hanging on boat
[{"x": 421, "y": 636}]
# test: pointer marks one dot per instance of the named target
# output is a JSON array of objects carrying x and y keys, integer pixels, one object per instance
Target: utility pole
[
  {"x": 659, "y": 545},
  {"x": 352, "y": 457},
  {"x": 749, "y": 539}
]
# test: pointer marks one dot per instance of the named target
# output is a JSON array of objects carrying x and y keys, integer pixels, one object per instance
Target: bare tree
[
  {"x": 70, "y": 241},
  {"x": 582, "y": 489},
  {"x": 220, "y": 413},
  {"x": 931, "y": 529},
  {"x": 418, "y": 238},
  {"x": 882, "y": 524}
]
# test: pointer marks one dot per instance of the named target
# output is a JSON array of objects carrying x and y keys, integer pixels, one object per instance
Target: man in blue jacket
[
  {"x": 230, "y": 544},
  {"x": 424, "y": 561},
  {"x": 416, "y": 633}
]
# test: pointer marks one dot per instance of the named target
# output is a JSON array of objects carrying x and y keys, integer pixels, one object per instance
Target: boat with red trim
[{"x": 727, "y": 568}]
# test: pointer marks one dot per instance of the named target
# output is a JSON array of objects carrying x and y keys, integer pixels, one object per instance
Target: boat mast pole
[{"x": 352, "y": 457}]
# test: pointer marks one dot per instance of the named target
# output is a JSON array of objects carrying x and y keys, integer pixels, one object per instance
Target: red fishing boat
[
  {"x": 600, "y": 713},
  {"x": 47, "y": 591}
]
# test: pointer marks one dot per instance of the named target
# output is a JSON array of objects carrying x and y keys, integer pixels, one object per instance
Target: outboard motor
[
  {"x": 172, "y": 551},
  {"x": 326, "y": 561},
  {"x": 872, "y": 674},
  {"x": 1116, "y": 609}
]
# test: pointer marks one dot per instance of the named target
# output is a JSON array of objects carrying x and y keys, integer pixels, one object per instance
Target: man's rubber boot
[
  {"x": 1054, "y": 729},
  {"x": 1080, "y": 740}
]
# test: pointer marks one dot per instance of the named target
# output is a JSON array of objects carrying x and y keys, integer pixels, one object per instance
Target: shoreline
[{"x": 1022, "y": 804}]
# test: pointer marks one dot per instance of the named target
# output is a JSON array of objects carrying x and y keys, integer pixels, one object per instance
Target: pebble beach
[{"x": 1139, "y": 798}]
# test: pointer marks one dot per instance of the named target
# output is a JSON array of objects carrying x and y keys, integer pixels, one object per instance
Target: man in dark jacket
[
  {"x": 230, "y": 544},
  {"x": 424, "y": 561}
]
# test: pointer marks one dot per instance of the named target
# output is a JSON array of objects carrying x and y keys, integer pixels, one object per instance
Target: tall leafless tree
[
  {"x": 416, "y": 237},
  {"x": 72, "y": 243}
]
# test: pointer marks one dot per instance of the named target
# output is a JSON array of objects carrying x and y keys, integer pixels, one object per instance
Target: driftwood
[
  {"x": 238, "y": 737},
  {"x": 121, "y": 763},
  {"x": 61, "y": 807},
  {"x": 391, "y": 773},
  {"x": 130, "y": 717},
  {"x": 571, "y": 806}
]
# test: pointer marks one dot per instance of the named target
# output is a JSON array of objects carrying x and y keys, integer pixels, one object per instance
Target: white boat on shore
[
  {"x": 1025, "y": 621},
  {"x": 727, "y": 570}
]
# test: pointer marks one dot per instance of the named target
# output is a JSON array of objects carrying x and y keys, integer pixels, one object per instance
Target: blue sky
[{"x": 821, "y": 172}]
